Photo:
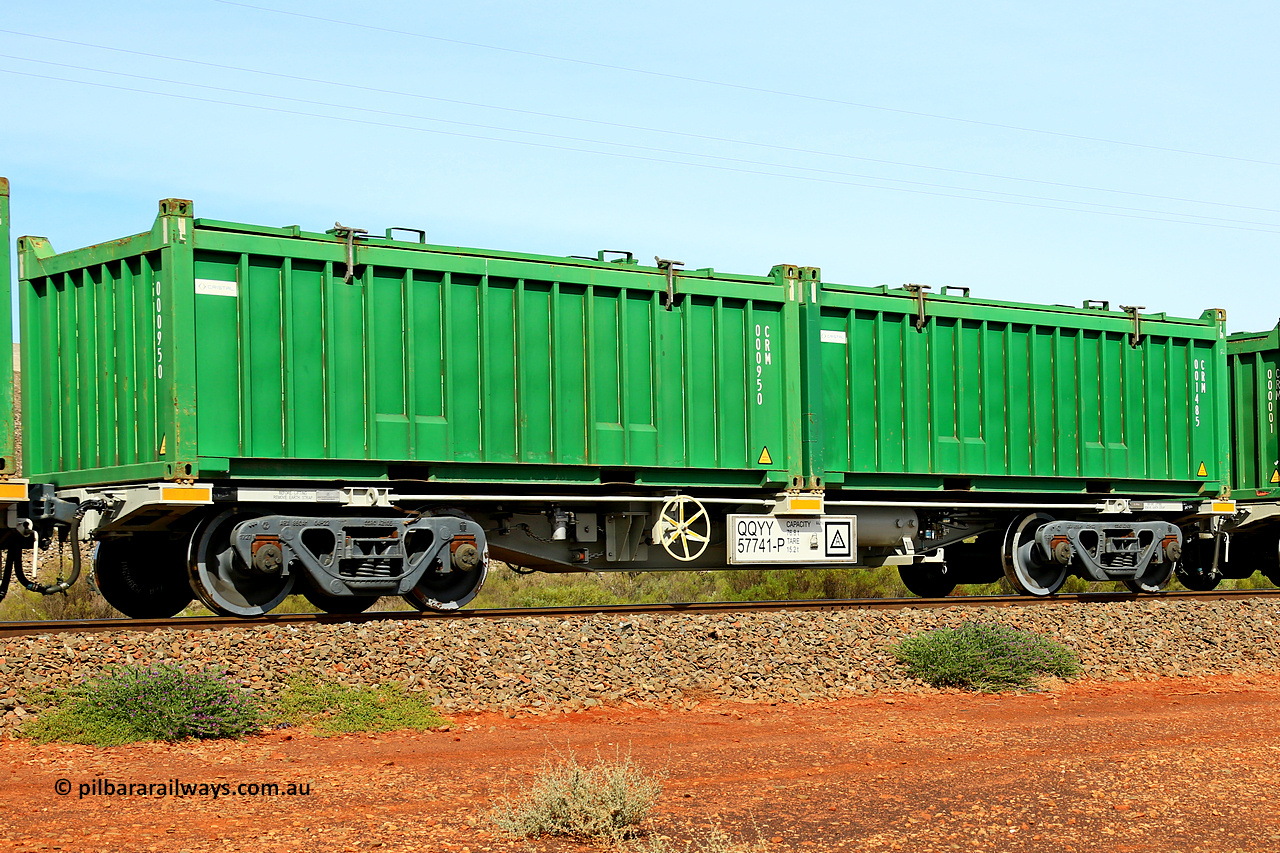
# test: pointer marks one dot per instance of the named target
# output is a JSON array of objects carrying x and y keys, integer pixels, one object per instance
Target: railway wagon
[
  {"x": 1066, "y": 440},
  {"x": 239, "y": 412},
  {"x": 263, "y": 406},
  {"x": 1251, "y": 538}
]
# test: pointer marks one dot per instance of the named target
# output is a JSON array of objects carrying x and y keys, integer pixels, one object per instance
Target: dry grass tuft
[{"x": 605, "y": 801}]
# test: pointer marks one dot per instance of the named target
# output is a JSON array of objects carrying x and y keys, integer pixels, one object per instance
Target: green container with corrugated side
[
  {"x": 1254, "y": 360},
  {"x": 942, "y": 391},
  {"x": 217, "y": 350}
]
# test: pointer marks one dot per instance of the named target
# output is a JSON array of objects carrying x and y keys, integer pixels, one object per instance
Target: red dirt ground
[{"x": 1171, "y": 765}]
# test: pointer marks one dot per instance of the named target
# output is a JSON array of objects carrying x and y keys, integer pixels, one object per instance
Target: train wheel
[
  {"x": 1199, "y": 579},
  {"x": 144, "y": 577},
  {"x": 448, "y": 587},
  {"x": 1024, "y": 565},
  {"x": 1153, "y": 579},
  {"x": 977, "y": 562},
  {"x": 341, "y": 605},
  {"x": 221, "y": 579},
  {"x": 927, "y": 580},
  {"x": 1192, "y": 569},
  {"x": 1257, "y": 552}
]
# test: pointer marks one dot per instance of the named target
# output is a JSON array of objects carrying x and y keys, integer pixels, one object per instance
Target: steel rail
[{"x": 204, "y": 623}]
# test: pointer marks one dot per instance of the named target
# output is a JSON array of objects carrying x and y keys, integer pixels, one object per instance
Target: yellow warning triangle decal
[
  {"x": 1203, "y": 472},
  {"x": 765, "y": 458},
  {"x": 162, "y": 438},
  {"x": 1275, "y": 476}
]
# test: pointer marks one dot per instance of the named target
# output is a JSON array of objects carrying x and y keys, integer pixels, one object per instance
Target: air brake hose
[{"x": 63, "y": 585}]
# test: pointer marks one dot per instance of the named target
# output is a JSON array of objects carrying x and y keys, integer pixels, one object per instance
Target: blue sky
[{"x": 1047, "y": 152}]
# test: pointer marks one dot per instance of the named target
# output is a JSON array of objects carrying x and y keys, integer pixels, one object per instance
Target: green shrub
[
  {"x": 986, "y": 657},
  {"x": 337, "y": 708},
  {"x": 607, "y": 800},
  {"x": 135, "y": 703}
]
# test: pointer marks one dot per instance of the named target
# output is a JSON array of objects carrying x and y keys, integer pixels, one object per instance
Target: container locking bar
[
  {"x": 918, "y": 290},
  {"x": 669, "y": 267},
  {"x": 1135, "y": 338},
  {"x": 340, "y": 230}
]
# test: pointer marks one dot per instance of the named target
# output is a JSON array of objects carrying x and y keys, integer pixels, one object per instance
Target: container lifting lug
[
  {"x": 351, "y": 234},
  {"x": 918, "y": 290},
  {"x": 1135, "y": 339},
  {"x": 669, "y": 267}
]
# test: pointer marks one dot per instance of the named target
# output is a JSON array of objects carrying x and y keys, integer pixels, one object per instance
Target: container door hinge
[
  {"x": 1135, "y": 338},
  {"x": 351, "y": 234},
  {"x": 669, "y": 268},
  {"x": 918, "y": 291}
]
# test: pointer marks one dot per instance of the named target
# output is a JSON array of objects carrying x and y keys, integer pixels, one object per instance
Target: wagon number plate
[{"x": 793, "y": 539}]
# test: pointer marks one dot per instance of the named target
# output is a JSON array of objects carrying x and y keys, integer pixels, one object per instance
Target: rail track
[{"x": 206, "y": 623}]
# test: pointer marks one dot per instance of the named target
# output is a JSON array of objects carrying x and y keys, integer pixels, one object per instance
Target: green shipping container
[
  {"x": 947, "y": 392},
  {"x": 212, "y": 350},
  {"x": 218, "y": 350},
  {"x": 1254, "y": 359}
]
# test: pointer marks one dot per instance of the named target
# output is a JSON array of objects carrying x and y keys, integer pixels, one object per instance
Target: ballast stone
[{"x": 546, "y": 665}]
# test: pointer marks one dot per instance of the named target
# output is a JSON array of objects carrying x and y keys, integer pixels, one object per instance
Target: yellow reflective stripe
[
  {"x": 205, "y": 495},
  {"x": 13, "y": 491}
]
